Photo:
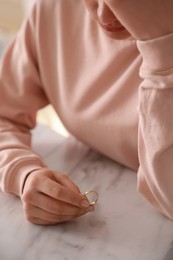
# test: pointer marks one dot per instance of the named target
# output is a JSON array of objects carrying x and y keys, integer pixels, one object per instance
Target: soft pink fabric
[{"x": 60, "y": 56}]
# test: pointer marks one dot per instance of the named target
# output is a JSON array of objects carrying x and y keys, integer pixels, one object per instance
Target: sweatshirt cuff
[{"x": 157, "y": 54}]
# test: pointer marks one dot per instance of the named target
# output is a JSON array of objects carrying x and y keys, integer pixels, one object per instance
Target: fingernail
[
  {"x": 90, "y": 208},
  {"x": 85, "y": 203}
]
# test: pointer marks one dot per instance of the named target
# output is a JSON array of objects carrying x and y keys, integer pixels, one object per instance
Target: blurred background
[{"x": 12, "y": 14}]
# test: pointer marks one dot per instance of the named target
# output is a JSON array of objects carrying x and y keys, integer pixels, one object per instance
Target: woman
[{"x": 106, "y": 67}]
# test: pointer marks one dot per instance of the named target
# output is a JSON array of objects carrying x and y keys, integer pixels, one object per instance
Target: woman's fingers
[
  {"x": 58, "y": 177},
  {"x": 55, "y": 196},
  {"x": 42, "y": 222},
  {"x": 54, "y": 185},
  {"x": 36, "y": 215},
  {"x": 53, "y": 206},
  {"x": 64, "y": 194}
]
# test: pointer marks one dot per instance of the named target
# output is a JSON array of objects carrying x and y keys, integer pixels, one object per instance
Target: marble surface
[{"x": 124, "y": 225}]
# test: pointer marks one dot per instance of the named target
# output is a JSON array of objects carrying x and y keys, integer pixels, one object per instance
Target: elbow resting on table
[{"x": 161, "y": 200}]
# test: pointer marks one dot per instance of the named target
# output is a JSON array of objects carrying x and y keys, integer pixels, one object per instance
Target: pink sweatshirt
[{"x": 114, "y": 95}]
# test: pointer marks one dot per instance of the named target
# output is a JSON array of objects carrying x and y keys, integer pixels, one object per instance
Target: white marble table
[{"x": 123, "y": 227}]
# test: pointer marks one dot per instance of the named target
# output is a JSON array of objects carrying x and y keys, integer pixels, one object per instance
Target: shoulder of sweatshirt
[
  {"x": 55, "y": 9},
  {"x": 54, "y": 17}
]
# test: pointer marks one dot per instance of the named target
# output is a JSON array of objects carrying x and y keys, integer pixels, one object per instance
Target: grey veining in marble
[{"x": 123, "y": 227}]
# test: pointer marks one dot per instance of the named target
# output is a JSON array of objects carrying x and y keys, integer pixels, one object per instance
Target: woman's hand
[
  {"x": 144, "y": 19},
  {"x": 50, "y": 198}
]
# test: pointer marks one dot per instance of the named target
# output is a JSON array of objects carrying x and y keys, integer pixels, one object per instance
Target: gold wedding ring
[{"x": 92, "y": 196}]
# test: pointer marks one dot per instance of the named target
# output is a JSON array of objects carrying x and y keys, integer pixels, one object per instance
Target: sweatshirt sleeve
[
  {"x": 21, "y": 95},
  {"x": 155, "y": 132}
]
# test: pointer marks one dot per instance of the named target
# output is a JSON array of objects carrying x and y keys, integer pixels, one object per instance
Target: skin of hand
[
  {"x": 50, "y": 198},
  {"x": 144, "y": 19}
]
